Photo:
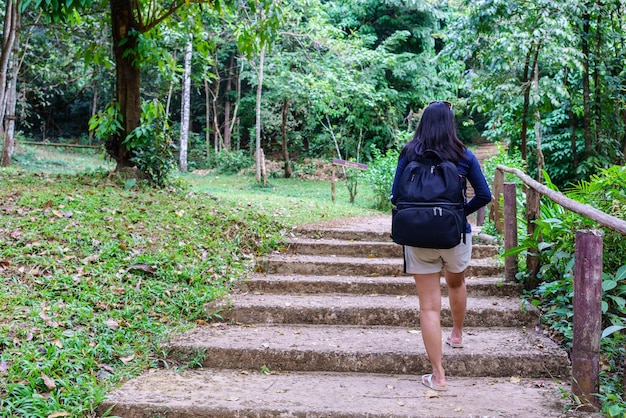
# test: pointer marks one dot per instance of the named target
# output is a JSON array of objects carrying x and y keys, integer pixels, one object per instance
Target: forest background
[{"x": 165, "y": 86}]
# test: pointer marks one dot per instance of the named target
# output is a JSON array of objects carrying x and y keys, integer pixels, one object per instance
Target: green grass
[{"x": 94, "y": 276}]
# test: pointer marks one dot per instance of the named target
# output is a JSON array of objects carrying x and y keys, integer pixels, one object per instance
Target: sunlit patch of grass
[
  {"x": 294, "y": 201},
  {"x": 61, "y": 161},
  {"x": 93, "y": 277}
]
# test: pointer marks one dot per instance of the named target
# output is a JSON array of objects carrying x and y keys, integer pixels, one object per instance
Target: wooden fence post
[
  {"x": 480, "y": 216},
  {"x": 332, "y": 183},
  {"x": 587, "y": 317},
  {"x": 533, "y": 200},
  {"x": 495, "y": 214},
  {"x": 510, "y": 231}
]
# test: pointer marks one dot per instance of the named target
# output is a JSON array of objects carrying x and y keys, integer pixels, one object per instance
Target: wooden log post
[
  {"x": 533, "y": 200},
  {"x": 495, "y": 213},
  {"x": 587, "y": 317},
  {"x": 344, "y": 164},
  {"x": 333, "y": 178},
  {"x": 480, "y": 216},
  {"x": 510, "y": 231}
]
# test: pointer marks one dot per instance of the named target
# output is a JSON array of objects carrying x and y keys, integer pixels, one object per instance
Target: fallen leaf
[
  {"x": 57, "y": 343},
  {"x": 515, "y": 379},
  {"x": 4, "y": 366},
  {"x": 431, "y": 394},
  {"x": 48, "y": 382},
  {"x": 107, "y": 367},
  {"x": 90, "y": 258},
  {"x": 142, "y": 267},
  {"x": 59, "y": 414},
  {"x": 112, "y": 323},
  {"x": 58, "y": 214},
  {"x": 47, "y": 205},
  {"x": 458, "y": 409},
  {"x": 4, "y": 263},
  {"x": 400, "y": 402},
  {"x": 128, "y": 359}
]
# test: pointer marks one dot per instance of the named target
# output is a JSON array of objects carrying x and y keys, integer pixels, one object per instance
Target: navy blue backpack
[{"x": 430, "y": 201}]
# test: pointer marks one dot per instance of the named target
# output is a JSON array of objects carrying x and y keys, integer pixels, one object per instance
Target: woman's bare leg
[
  {"x": 457, "y": 293},
  {"x": 429, "y": 293}
]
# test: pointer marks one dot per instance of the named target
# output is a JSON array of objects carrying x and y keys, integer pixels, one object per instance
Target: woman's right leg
[{"x": 457, "y": 294}]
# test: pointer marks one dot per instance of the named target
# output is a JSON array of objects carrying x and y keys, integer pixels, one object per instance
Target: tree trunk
[
  {"x": 128, "y": 79},
  {"x": 586, "y": 88},
  {"x": 526, "y": 83},
  {"x": 572, "y": 122},
  {"x": 185, "y": 111},
  {"x": 207, "y": 115},
  {"x": 227, "y": 103},
  {"x": 597, "y": 100},
  {"x": 11, "y": 101},
  {"x": 283, "y": 129},
  {"x": 538, "y": 128},
  {"x": 259, "y": 91},
  {"x": 11, "y": 26},
  {"x": 94, "y": 109}
]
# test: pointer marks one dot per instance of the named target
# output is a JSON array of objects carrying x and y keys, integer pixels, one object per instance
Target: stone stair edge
[
  {"x": 394, "y": 285},
  {"x": 379, "y": 349},
  {"x": 397, "y": 310},
  {"x": 307, "y": 394}
]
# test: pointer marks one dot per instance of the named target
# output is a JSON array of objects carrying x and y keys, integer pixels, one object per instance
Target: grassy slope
[{"x": 93, "y": 277}]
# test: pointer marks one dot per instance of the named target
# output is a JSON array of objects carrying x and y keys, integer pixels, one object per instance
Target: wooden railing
[{"x": 587, "y": 302}]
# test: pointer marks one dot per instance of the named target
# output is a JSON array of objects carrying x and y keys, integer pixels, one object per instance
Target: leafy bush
[
  {"x": 554, "y": 241},
  {"x": 231, "y": 162},
  {"x": 152, "y": 144},
  {"x": 379, "y": 176}
]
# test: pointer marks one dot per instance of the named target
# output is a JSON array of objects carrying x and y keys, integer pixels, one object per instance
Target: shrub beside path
[{"x": 329, "y": 327}]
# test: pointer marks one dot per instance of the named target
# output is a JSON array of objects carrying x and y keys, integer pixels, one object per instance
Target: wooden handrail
[
  {"x": 587, "y": 303},
  {"x": 604, "y": 219}
]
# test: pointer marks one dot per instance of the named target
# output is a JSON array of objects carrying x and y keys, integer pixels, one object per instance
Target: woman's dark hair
[{"x": 436, "y": 131}]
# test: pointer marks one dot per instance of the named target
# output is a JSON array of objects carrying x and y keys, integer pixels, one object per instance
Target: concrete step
[
  {"x": 494, "y": 352},
  {"x": 338, "y": 309},
  {"x": 279, "y": 263},
  {"x": 385, "y": 285},
  {"x": 379, "y": 249},
  {"x": 237, "y": 393}
]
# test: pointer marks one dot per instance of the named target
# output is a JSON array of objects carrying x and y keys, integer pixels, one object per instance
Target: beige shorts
[{"x": 431, "y": 260}]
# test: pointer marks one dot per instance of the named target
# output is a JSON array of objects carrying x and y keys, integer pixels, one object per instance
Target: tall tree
[
  {"x": 7, "y": 84},
  {"x": 255, "y": 35},
  {"x": 185, "y": 107}
]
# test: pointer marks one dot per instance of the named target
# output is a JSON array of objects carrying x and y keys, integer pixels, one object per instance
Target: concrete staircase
[{"x": 329, "y": 327}]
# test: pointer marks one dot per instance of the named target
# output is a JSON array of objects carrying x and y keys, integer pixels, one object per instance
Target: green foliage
[
  {"x": 554, "y": 242},
  {"x": 379, "y": 176},
  {"x": 231, "y": 162},
  {"x": 152, "y": 145},
  {"x": 511, "y": 158},
  {"x": 91, "y": 281},
  {"x": 108, "y": 123},
  {"x": 606, "y": 191}
]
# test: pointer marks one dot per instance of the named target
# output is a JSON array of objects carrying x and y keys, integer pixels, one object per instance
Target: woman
[{"x": 437, "y": 131}]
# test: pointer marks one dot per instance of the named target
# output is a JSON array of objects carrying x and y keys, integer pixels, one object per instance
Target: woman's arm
[
  {"x": 482, "y": 194},
  {"x": 402, "y": 163}
]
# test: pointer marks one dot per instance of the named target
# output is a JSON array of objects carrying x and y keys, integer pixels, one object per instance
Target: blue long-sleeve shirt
[{"x": 468, "y": 167}]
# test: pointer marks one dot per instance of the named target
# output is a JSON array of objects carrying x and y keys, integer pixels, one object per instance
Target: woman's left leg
[{"x": 429, "y": 294}]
